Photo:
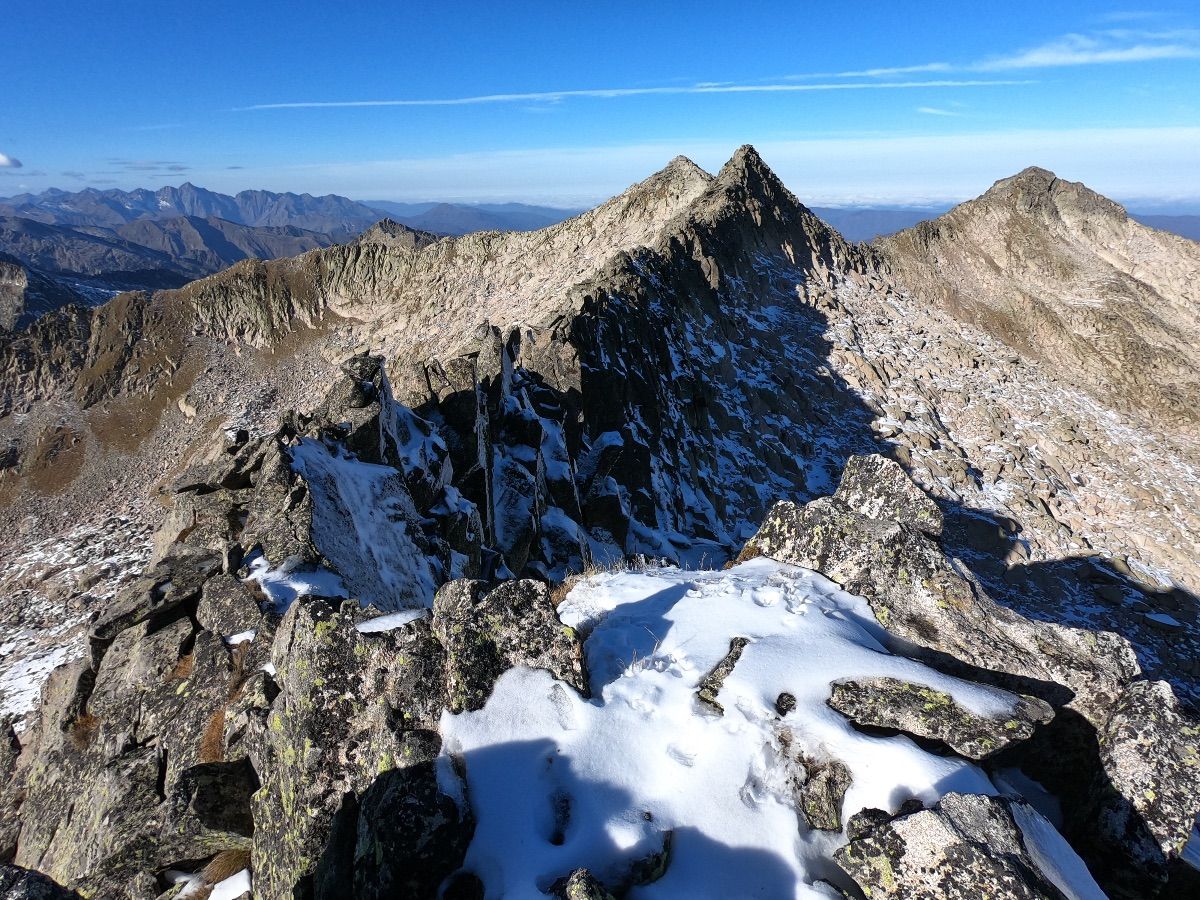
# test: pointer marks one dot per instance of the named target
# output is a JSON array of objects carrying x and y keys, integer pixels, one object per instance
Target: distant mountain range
[{"x": 335, "y": 216}]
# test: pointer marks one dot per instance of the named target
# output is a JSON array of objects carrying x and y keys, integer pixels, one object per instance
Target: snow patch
[
  {"x": 390, "y": 621},
  {"x": 558, "y": 782},
  {"x": 285, "y": 584}
]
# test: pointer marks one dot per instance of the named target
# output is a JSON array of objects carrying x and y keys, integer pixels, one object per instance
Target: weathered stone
[
  {"x": 581, "y": 885},
  {"x": 227, "y": 607},
  {"x": 917, "y": 594},
  {"x": 928, "y": 713},
  {"x": 1147, "y": 795},
  {"x": 879, "y": 489},
  {"x": 710, "y": 684},
  {"x": 351, "y": 707},
  {"x": 22, "y": 884},
  {"x": 411, "y": 836},
  {"x": 967, "y": 846},
  {"x": 485, "y": 633},
  {"x": 822, "y": 792}
]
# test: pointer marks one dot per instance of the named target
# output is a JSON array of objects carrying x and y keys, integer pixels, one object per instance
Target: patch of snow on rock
[{"x": 559, "y": 782}]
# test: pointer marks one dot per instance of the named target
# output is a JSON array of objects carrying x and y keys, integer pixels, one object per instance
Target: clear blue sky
[{"x": 894, "y": 102}]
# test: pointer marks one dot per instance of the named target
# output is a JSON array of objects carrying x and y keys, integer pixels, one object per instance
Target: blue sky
[{"x": 886, "y": 102}]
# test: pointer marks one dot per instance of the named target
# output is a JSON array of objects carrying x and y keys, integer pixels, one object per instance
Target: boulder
[
  {"x": 967, "y": 846},
  {"x": 922, "y": 711},
  {"x": 1147, "y": 796},
  {"x": 919, "y": 595},
  {"x": 879, "y": 488},
  {"x": 22, "y": 884},
  {"x": 485, "y": 633}
]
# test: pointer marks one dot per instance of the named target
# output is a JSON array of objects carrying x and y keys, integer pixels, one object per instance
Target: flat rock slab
[{"x": 922, "y": 711}]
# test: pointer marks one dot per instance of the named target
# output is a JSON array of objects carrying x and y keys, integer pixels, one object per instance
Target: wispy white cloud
[
  {"x": 1113, "y": 45},
  {"x": 9, "y": 162},
  {"x": 1106, "y": 47},
  {"x": 937, "y": 111},
  {"x": 610, "y": 93},
  {"x": 883, "y": 72}
]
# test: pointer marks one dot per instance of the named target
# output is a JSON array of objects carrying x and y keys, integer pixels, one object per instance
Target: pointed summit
[
  {"x": 682, "y": 167},
  {"x": 1030, "y": 182},
  {"x": 747, "y": 167}
]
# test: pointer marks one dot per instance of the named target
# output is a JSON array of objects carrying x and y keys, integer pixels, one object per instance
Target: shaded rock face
[
  {"x": 1150, "y": 753},
  {"x": 20, "y": 884},
  {"x": 966, "y": 846},
  {"x": 486, "y": 633},
  {"x": 1115, "y": 742},
  {"x": 216, "y": 713}
]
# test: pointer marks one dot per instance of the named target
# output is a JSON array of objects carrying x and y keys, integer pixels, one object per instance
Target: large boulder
[
  {"x": 1147, "y": 795},
  {"x": 879, "y": 488},
  {"x": 921, "y": 596},
  {"x": 967, "y": 846},
  {"x": 350, "y": 734},
  {"x": 485, "y": 633}
]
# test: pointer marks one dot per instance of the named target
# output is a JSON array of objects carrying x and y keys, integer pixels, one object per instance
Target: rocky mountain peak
[
  {"x": 369, "y": 578},
  {"x": 1038, "y": 190},
  {"x": 394, "y": 234}
]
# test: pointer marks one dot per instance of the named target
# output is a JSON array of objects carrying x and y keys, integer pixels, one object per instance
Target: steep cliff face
[{"x": 26, "y": 293}]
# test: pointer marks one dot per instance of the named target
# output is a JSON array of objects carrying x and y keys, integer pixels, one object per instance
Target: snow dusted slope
[{"x": 646, "y": 770}]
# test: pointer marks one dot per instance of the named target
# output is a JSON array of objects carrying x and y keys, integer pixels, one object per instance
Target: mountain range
[
  {"x": 681, "y": 543},
  {"x": 91, "y": 244}
]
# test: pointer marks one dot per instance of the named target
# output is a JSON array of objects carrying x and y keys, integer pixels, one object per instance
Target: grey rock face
[
  {"x": 350, "y": 708},
  {"x": 879, "y": 488},
  {"x": 917, "y": 594},
  {"x": 967, "y": 846},
  {"x": 486, "y": 633},
  {"x": 948, "y": 620},
  {"x": 821, "y": 792},
  {"x": 1149, "y": 794},
  {"x": 916, "y": 709}
]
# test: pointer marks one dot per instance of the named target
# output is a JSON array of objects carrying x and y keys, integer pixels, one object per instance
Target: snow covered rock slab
[
  {"x": 749, "y": 797},
  {"x": 879, "y": 488},
  {"x": 919, "y": 595},
  {"x": 925, "y": 712},
  {"x": 967, "y": 846}
]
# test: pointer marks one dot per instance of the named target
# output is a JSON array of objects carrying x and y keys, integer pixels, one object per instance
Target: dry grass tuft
[
  {"x": 239, "y": 676},
  {"x": 749, "y": 552},
  {"x": 83, "y": 730},
  {"x": 183, "y": 668},
  {"x": 225, "y": 864},
  {"x": 212, "y": 741}
]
